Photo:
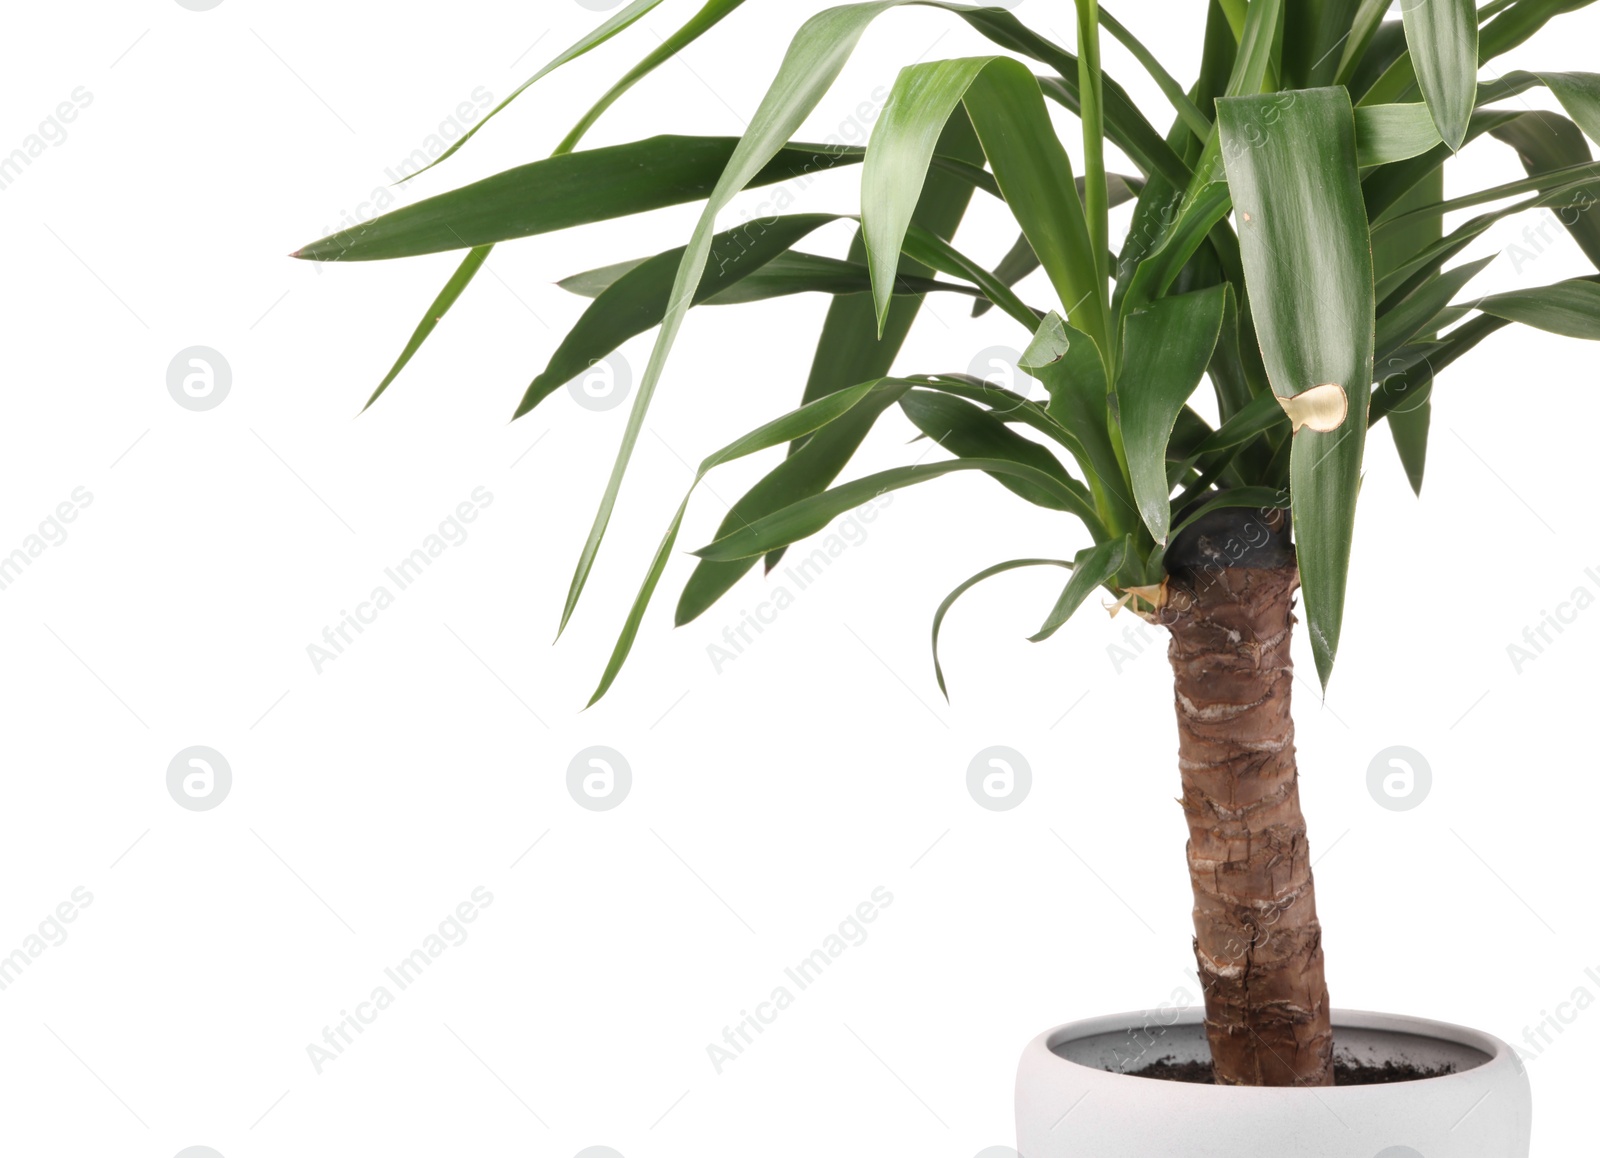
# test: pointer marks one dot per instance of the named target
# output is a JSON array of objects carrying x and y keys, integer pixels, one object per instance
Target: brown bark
[{"x": 1257, "y": 941}]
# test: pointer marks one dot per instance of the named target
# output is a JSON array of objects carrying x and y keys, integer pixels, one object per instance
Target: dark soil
[{"x": 1347, "y": 1071}]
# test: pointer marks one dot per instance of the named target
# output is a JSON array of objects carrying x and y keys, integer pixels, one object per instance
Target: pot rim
[{"x": 1042, "y": 1049}]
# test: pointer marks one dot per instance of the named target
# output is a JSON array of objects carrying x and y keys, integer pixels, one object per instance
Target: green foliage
[{"x": 1286, "y": 244}]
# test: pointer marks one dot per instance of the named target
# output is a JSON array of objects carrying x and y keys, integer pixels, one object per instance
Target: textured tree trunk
[{"x": 1257, "y": 940}]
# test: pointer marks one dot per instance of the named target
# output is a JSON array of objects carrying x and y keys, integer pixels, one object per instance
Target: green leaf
[
  {"x": 1253, "y": 65},
  {"x": 1410, "y": 374},
  {"x": 1259, "y": 415},
  {"x": 1090, "y": 568},
  {"x": 807, "y": 471},
  {"x": 1018, "y": 263},
  {"x": 1313, "y": 33},
  {"x": 1579, "y": 94},
  {"x": 1363, "y": 27},
  {"x": 693, "y": 29},
  {"x": 1442, "y": 36},
  {"x": 1389, "y": 133},
  {"x": 708, "y": 16},
  {"x": 1195, "y": 220},
  {"x": 1570, "y": 178},
  {"x": 563, "y": 191},
  {"x": 1412, "y": 314},
  {"x": 1091, "y": 114},
  {"x": 1520, "y": 21},
  {"x": 898, "y": 154},
  {"x": 436, "y": 312},
  {"x": 816, "y": 56},
  {"x": 1191, "y": 117},
  {"x": 1166, "y": 348},
  {"x": 797, "y": 423},
  {"x": 1570, "y": 308},
  {"x": 1405, "y": 320},
  {"x": 1126, "y": 126},
  {"x": 1308, "y": 266},
  {"x": 1020, "y": 260},
  {"x": 965, "y": 586},
  {"x": 810, "y": 515},
  {"x": 1007, "y": 110},
  {"x": 969, "y": 431},
  {"x": 792, "y": 272},
  {"x": 1383, "y": 187},
  {"x": 1393, "y": 248},
  {"x": 598, "y": 36},
  {"x": 849, "y": 347},
  {"x": 1548, "y": 143},
  {"x": 1071, "y": 370},
  {"x": 933, "y": 251},
  {"x": 1409, "y": 425},
  {"x": 1421, "y": 266},
  {"x": 641, "y": 297}
]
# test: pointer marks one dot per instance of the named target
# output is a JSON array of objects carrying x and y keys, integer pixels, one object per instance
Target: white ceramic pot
[{"x": 1071, "y": 1102}]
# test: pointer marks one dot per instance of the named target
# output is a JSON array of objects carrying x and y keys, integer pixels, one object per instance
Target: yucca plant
[{"x": 1286, "y": 244}]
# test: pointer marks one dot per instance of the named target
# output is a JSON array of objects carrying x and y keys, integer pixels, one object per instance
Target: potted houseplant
[{"x": 1286, "y": 247}]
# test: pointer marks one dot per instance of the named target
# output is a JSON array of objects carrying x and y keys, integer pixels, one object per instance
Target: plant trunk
[{"x": 1257, "y": 941}]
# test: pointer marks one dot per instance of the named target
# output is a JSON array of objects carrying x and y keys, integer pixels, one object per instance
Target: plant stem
[{"x": 1258, "y": 944}]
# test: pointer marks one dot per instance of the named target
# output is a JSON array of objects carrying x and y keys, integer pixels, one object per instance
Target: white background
[{"x": 768, "y": 800}]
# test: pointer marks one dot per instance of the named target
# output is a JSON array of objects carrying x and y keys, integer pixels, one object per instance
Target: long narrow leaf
[
  {"x": 598, "y": 36},
  {"x": 1167, "y": 346},
  {"x": 642, "y": 297},
  {"x": 811, "y": 417},
  {"x": 810, "y": 515},
  {"x": 1032, "y": 167},
  {"x": 1442, "y": 36},
  {"x": 452, "y": 290},
  {"x": 1090, "y": 568},
  {"x": 1303, "y": 233},
  {"x": 966, "y": 585},
  {"x": 1570, "y": 308},
  {"x": 564, "y": 191}
]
